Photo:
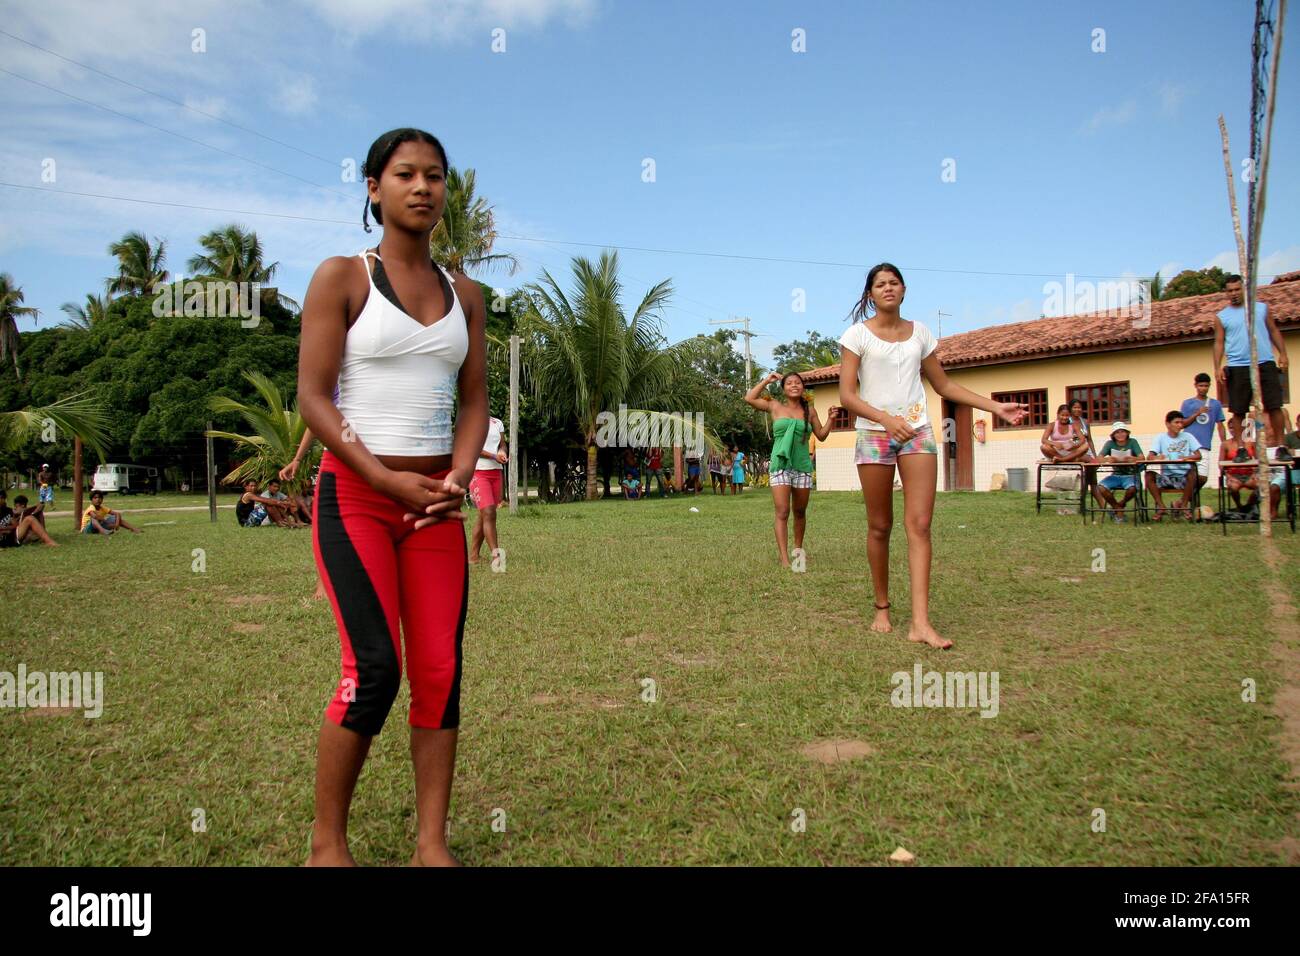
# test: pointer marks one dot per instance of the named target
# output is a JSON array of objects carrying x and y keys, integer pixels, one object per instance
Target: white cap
[{"x": 1119, "y": 426}]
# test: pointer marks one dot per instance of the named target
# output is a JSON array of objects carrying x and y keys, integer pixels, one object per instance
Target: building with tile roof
[{"x": 1127, "y": 363}]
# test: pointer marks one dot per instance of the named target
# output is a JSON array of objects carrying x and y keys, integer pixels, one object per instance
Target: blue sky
[{"x": 1067, "y": 160}]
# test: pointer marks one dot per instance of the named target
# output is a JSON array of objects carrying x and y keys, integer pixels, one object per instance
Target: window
[
  {"x": 1035, "y": 398},
  {"x": 1104, "y": 403},
  {"x": 841, "y": 420}
]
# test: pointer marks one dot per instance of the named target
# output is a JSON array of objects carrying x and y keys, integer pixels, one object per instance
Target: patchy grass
[{"x": 1119, "y": 690}]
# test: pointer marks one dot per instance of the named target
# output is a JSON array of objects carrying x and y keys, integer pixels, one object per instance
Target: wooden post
[
  {"x": 677, "y": 467},
  {"x": 512, "y": 478},
  {"x": 212, "y": 478},
  {"x": 76, "y": 483},
  {"x": 1248, "y": 281}
]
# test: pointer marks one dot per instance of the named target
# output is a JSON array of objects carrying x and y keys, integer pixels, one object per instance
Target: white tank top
[{"x": 397, "y": 381}]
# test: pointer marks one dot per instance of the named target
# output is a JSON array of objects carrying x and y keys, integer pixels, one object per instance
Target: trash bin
[{"x": 1017, "y": 479}]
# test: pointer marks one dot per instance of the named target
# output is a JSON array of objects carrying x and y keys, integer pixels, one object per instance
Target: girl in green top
[{"x": 793, "y": 420}]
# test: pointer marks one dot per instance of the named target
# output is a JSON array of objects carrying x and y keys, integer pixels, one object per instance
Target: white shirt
[
  {"x": 493, "y": 443},
  {"x": 889, "y": 376}
]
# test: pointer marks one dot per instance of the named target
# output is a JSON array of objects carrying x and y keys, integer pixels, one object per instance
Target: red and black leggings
[{"x": 377, "y": 570}]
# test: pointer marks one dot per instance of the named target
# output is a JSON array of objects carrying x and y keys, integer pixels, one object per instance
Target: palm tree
[
  {"x": 84, "y": 317},
  {"x": 78, "y": 416},
  {"x": 463, "y": 238},
  {"x": 140, "y": 266},
  {"x": 234, "y": 254},
  {"x": 584, "y": 357},
  {"x": 11, "y": 308},
  {"x": 276, "y": 432}
]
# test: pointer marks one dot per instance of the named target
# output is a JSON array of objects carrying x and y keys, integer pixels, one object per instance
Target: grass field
[{"x": 1119, "y": 690}]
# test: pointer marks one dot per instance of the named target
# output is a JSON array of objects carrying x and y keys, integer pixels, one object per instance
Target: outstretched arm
[{"x": 1010, "y": 412}]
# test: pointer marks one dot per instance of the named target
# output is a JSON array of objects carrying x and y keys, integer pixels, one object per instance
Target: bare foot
[
  {"x": 434, "y": 856},
  {"x": 474, "y": 558},
  {"x": 926, "y": 634},
  {"x": 319, "y": 595},
  {"x": 881, "y": 623},
  {"x": 1160, "y": 513},
  {"x": 330, "y": 856}
]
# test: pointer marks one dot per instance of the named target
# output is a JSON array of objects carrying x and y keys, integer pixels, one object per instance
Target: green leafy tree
[
  {"x": 1191, "y": 282},
  {"x": 801, "y": 355},
  {"x": 11, "y": 309},
  {"x": 82, "y": 317},
  {"x": 276, "y": 430},
  {"x": 234, "y": 254},
  {"x": 79, "y": 416},
  {"x": 586, "y": 356},
  {"x": 140, "y": 264},
  {"x": 464, "y": 236}
]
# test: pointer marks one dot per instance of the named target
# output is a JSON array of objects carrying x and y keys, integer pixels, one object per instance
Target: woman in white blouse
[{"x": 881, "y": 364}]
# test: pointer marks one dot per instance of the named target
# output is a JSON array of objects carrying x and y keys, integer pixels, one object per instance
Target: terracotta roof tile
[{"x": 1170, "y": 321}]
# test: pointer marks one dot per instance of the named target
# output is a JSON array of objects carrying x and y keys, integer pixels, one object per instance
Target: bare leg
[
  {"x": 1153, "y": 486},
  {"x": 340, "y": 754},
  {"x": 781, "y": 504},
  {"x": 476, "y": 539},
  {"x": 489, "y": 515},
  {"x": 121, "y": 523},
  {"x": 433, "y": 753},
  {"x": 878, "y": 493},
  {"x": 799, "y": 497},
  {"x": 30, "y": 525},
  {"x": 919, "y": 473}
]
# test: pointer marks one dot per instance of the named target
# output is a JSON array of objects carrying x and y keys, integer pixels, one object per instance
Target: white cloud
[
  {"x": 1126, "y": 112},
  {"x": 295, "y": 96},
  {"x": 1171, "y": 98},
  {"x": 1274, "y": 263},
  {"x": 446, "y": 20}
]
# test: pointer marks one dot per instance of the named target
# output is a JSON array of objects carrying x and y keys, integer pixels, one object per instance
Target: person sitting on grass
[
  {"x": 100, "y": 519},
  {"x": 285, "y": 510},
  {"x": 1122, "y": 446},
  {"x": 19, "y": 524},
  {"x": 1062, "y": 440},
  {"x": 1180, "y": 446},
  {"x": 631, "y": 484},
  {"x": 1277, "y": 480},
  {"x": 251, "y": 510}
]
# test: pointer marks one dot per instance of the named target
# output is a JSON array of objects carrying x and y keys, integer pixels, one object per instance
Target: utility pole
[
  {"x": 512, "y": 476},
  {"x": 749, "y": 362},
  {"x": 212, "y": 478},
  {"x": 939, "y": 314}
]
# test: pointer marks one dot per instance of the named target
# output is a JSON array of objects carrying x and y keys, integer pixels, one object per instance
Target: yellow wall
[{"x": 1159, "y": 379}]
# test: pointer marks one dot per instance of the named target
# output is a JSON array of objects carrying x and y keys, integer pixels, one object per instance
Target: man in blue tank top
[{"x": 1232, "y": 335}]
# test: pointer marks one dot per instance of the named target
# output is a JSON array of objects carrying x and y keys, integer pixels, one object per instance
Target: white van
[{"x": 126, "y": 479}]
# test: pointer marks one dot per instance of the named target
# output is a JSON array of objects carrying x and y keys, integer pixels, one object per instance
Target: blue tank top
[{"x": 1235, "y": 341}]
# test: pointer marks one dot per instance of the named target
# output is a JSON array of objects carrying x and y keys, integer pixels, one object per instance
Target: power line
[
  {"x": 189, "y": 139},
  {"x": 593, "y": 245},
  {"x": 168, "y": 99}
]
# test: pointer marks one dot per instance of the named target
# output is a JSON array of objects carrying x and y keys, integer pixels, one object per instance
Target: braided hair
[{"x": 381, "y": 151}]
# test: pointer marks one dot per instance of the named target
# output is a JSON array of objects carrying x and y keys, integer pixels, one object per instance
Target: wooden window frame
[
  {"x": 1011, "y": 396},
  {"x": 844, "y": 415},
  {"x": 1087, "y": 402}
]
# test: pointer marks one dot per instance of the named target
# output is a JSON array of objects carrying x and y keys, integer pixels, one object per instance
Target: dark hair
[
  {"x": 1063, "y": 408},
  {"x": 273, "y": 481},
  {"x": 381, "y": 151},
  {"x": 803, "y": 399},
  {"x": 865, "y": 306},
  {"x": 1170, "y": 416},
  {"x": 1203, "y": 377},
  {"x": 1076, "y": 401},
  {"x": 1232, "y": 278},
  {"x": 96, "y": 492},
  {"x": 20, "y": 500}
]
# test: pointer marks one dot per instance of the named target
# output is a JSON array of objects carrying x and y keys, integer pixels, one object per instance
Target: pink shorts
[{"x": 485, "y": 487}]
